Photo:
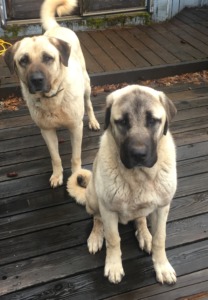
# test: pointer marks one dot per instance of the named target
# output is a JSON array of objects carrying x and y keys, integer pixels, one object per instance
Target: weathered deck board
[
  {"x": 137, "y": 44},
  {"x": 133, "y": 56},
  {"x": 97, "y": 52},
  {"x": 43, "y": 232},
  {"x": 190, "y": 282},
  {"x": 190, "y": 39},
  {"x": 172, "y": 42},
  {"x": 92, "y": 65},
  {"x": 185, "y": 51},
  {"x": 112, "y": 50},
  {"x": 189, "y": 26},
  {"x": 92, "y": 285}
]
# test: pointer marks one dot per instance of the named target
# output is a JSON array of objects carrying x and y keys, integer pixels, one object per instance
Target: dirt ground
[{"x": 14, "y": 103}]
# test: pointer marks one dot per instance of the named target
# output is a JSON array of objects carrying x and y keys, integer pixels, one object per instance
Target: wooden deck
[
  {"x": 142, "y": 52},
  {"x": 43, "y": 233},
  {"x": 182, "y": 39}
]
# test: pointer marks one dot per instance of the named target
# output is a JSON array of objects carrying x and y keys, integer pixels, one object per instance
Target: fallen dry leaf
[
  {"x": 61, "y": 141},
  {"x": 194, "y": 78},
  {"x": 11, "y": 103},
  {"x": 12, "y": 174}
]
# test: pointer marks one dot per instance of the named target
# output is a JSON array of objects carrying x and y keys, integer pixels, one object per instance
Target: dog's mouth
[
  {"x": 40, "y": 87},
  {"x": 141, "y": 156},
  {"x": 131, "y": 163},
  {"x": 52, "y": 93},
  {"x": 37, "y": 83}
]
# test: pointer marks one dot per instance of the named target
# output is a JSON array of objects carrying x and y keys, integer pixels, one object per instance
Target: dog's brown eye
[
  {"x": 150, "y": 120},
  {"x": 24, "y": 60},
  {"x": 47, "y": 58},
  {"x": 122, "y": 122}
]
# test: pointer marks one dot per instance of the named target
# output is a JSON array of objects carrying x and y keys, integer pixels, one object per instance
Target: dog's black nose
[
  {"x": 139, "y": 153},
  {"x": 36, "y": 82}
]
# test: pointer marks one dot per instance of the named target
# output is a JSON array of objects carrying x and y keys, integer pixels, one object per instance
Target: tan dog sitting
[{"x": 134, "y": 176}]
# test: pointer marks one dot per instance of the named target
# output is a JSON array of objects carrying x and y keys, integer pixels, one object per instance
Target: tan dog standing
[
  {"x": 54, "y": 83},
  {"x": 134, "y": 175}
]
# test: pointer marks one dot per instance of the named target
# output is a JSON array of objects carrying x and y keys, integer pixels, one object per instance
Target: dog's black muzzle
[
  {"x": 37, "y": 83},
  {"x": 134, "y": 154}
]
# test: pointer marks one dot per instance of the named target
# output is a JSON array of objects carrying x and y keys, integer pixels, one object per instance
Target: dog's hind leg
[
  {"x": 143, "y": 235},
  {"x": 51, "y": 140},
  {"x": 93, "y": 123}
]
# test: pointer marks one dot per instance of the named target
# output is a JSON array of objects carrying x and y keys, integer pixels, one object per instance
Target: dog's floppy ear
[
  {"x": 109, "y": 102},
  {"x": 165, "y": 127},
  {"x": 107, "y": 117},
  {"x": 9, "y": 57},
  {"x": 169, "y": 108},
  {"x": 63, "y": 48}
]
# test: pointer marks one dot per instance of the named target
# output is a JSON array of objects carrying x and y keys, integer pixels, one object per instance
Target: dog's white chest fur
[
  {"x": 130, "y": 200},
  {"x": 55, "y": 112},
  {"x": 133, "y": 193}
]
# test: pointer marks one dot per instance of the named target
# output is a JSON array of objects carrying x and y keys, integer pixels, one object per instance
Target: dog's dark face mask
[
  {"x": 138, "y": 146},
  {"x": 138, "y": 154},
  {"x": 137, "y": 122}
]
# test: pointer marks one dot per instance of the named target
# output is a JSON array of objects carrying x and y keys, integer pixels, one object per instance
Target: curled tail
[
  {"x": 49, "y": 9},
  {"x": 77, "y": 183}
]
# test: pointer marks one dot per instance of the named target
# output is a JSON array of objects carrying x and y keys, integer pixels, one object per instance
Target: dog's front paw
[
  {"x": 94, "y": 125},
  {"x": 145, "y": 240},
  {"x": 56, "y": 180},
  {"x": 165, "y": 272},
  {"x": 95, "y": 242},
  {"x": 114, "y": 270}
]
